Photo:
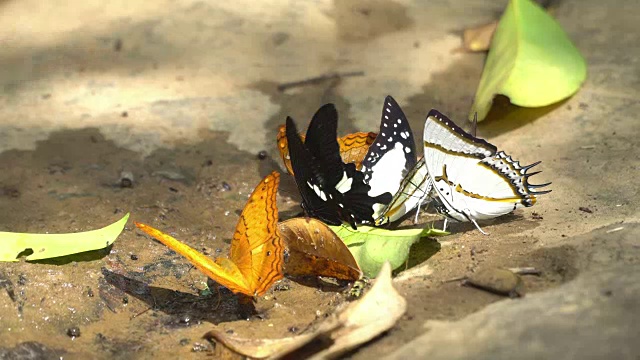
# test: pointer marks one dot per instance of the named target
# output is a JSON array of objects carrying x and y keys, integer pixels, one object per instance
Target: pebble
[
  {"x": 73, "y": 332},
  {"x": 126, "y": 179},
  {"x": 199, "y": 347},
  {"x": 497, "y": 281},
  {"x": 226, "y": 186}
]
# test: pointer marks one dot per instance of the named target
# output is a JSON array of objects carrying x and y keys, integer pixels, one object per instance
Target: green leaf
[
  {"x": 47, "y": 246},
  {"x": 532, "y": 61},
  {"x": 371, "y": 246}
]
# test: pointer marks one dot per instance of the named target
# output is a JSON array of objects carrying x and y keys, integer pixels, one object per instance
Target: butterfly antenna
[
  {"x": 219, "y": 298},
  {"x": 140, "y": 313}
]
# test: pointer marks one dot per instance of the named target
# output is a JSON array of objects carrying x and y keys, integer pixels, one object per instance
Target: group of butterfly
[{"x": 366, "y": 178}]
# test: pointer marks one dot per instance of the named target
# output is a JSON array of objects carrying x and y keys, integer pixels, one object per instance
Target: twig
[
  {"x": 615, "y": 229},
  {"x": 318, "y": 79},
  {"x": 525, "y": 271}
]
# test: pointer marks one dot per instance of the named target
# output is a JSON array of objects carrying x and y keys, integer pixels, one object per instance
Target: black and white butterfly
[
  {"x": 331, "y": 190},
  {"x": 473, "y": 180},
  {"x": 390, "y": 166}
]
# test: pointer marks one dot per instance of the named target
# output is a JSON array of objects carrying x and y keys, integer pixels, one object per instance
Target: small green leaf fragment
[
  {"x": 47, "y": 246},
  {"x": 371, "y": 246}
]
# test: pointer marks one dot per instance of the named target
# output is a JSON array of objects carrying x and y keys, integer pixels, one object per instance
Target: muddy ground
[{"x": 184, "y": 95}]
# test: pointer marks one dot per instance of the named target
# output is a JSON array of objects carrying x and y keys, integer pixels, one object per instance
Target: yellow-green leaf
[
  {"x": 371, "y": 246},
  {"x": 45, "y": 246},
  {"x": 532, "y": 61}
]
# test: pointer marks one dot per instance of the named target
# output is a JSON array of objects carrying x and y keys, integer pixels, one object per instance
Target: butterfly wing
[
  {"x": 257, "y": 248},
  {"x": 322, "y": 143},
  {"x": 331, "y": 190},
  {"x": 354, "y": 147},
  {"x": 223, "y": 271},
  {"x": 315, "y": 250},
  {"x": 415, "y": 188},
  {"x": 473, "y": 180},
  {"x": 306, "y": 170},
  {"x": 343, "y": 183},
  {"x": 503, "y": 187},
  {"x": 393, "y": 154},
  {"x": 283, "y": 148}
]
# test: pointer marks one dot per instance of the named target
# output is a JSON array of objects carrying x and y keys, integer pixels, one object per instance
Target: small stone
[
  {"x": 184, "y": 342},
  {"x": 169, "y": 175},
  {"x": 293, "y": 329},
  {"x": 22, "y": 279},
  {"x": 226, "y": 186},
  {"x": 10, "y": 191},
  {"x": 199, "y": 347},
  {"x": 73, "y": 332},
  {"x": 185, "y": 320},
  {"x": 262, "y": 155},
  {"x": 281, "y": 286},
  {"x": 585, "y": 209},
  {"x": 134, "y": 257},
  {"x": 126, "y": 179},
  {"x": 497, "y": 281}
]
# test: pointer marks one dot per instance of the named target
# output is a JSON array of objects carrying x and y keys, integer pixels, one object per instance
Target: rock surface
[{"x": 595, "y": 316}]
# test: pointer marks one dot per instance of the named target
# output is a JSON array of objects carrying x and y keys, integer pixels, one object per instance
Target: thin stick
[
  {"x": 318, "y": 79},
  {"x": 525, "y": 271}
]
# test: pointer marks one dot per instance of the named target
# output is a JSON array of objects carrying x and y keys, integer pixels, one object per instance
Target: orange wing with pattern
[
  {"x": 257, "y": 249},
  {"x": 353, "y": 147}
]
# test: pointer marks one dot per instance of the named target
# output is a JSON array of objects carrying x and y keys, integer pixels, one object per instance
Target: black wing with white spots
[
  {"x": 331, "y": 190},
  {"x": 393, "y": 154}
]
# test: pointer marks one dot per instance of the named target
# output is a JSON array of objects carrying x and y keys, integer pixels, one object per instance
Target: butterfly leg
[
  {"x": 478, "y": 226},
  {"x": 415, "y": 220},
  {"x": 444, "y": 227}
]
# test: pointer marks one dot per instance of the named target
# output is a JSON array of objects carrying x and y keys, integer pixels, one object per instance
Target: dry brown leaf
[
  {"x": 258, "y": 348},
  {"x": 315, "y": 250},
  {"x": 478, "y": 38},
  {"x": 361, "y": 320},
  {"x": 356, "y": 324}
]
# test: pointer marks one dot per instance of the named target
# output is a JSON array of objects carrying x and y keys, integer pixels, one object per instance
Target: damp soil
[{"x": 138, "y": 299}]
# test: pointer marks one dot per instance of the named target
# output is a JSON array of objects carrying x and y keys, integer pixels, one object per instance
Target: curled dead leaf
[
  {"x": 315, "y": 250},
  {"x": 357, "y": 323},
  {"x": 477, "y": 39}
]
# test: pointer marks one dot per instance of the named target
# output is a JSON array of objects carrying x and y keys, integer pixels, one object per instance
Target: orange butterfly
[
  {"x": 257, "y": 249},
  {"x": 353, "y": 147}
]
